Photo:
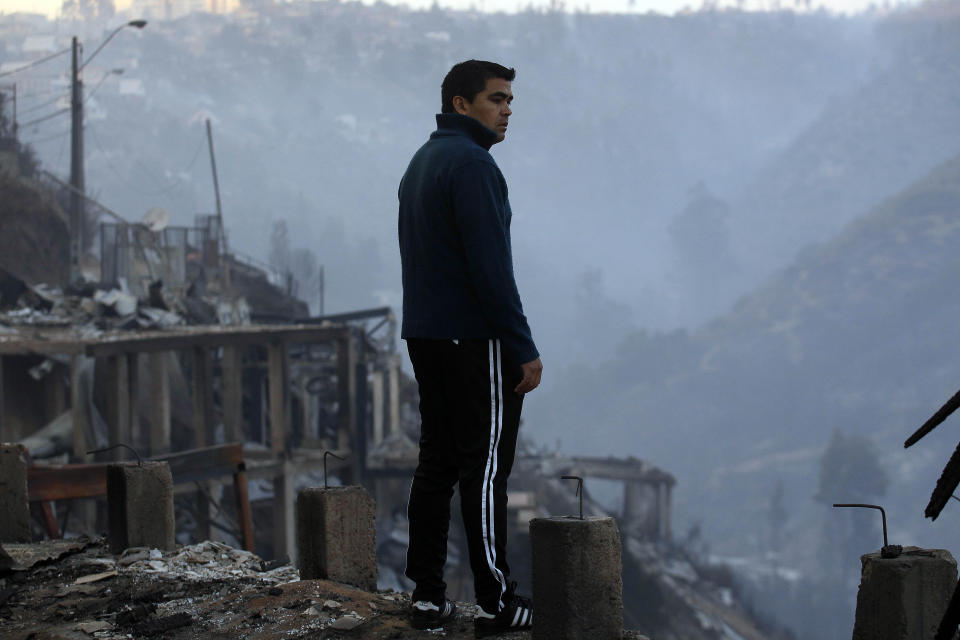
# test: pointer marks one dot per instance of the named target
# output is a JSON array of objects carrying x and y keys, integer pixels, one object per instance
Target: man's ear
[{"x": 460, "y": 105}]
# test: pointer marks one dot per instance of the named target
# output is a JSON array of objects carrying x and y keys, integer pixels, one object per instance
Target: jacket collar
[{"x": 455, "y": 123}]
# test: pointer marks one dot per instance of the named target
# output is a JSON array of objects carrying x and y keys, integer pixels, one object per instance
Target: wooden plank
[
  {"x": 60, "y": 342},
  {"x": 204, "y": 463},
  {"x": 377, "y": 387},
  {"x": 284, "y": 543},
  {"x": 49, "y": 520},
  {"x": 202, "y": 515},
  {"x": 241, "y": 493},
  {"x": 64, "y": 482},
  {"x": 118, "y": 406},
  {"x": 277, "y": 386},
  {"x": 19, "y": 346},
  {"x": 211, "y": 336},
  {"x": 202, "y": 398},
  {"x": 346, "y": 391},
  {"x": 231, "y": 376},
  {"x": 79, "y": 410},
  {"x": 158, "y": 402},
  {"x": 393, "y": 425},
  {"x": 138, "y": 439}
]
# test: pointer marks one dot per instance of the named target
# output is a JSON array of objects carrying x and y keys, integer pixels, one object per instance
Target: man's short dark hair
[{"x": 469, "y": 78}]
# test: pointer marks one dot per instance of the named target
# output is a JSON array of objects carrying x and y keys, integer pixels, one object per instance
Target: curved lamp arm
[{"x": 139, "y": 24}]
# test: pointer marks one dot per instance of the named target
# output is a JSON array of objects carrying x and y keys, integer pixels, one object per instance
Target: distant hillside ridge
[
  {"x": 873, "y": 141},
  {"x": 860, "y": 333}
]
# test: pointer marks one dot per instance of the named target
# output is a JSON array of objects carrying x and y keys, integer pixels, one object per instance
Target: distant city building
[{"x": 171, "y": 9}]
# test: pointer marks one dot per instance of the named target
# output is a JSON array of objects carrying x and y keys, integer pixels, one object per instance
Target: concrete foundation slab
[
  {"x": 904, "y": 598},
  {"x": 577, "y": 583},
  {"x": 140, "y": 506},
  {"x": 336, "y": 535},
  {"x": 14, "y": 504}
]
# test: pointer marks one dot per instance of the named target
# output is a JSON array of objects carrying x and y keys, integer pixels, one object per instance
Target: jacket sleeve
[{"x": 480, "y": 208}]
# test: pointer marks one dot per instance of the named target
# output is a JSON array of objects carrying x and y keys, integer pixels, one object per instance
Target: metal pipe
[
  {"x": 883, "y": 515},
  {"x": 579, "y": 490}
]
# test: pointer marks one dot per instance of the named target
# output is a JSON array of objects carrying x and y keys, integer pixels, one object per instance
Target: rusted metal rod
[
  {"x": 883, "y": 516},
  {"x": 579, "y": 490},
  {"x": 325, "y": 454},
  {"x": 116, "y": 446}
]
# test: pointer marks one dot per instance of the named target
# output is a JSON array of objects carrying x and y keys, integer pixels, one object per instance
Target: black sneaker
[
  {"x": 517, "y": 614},
  {"x": 428, "y": 615}
]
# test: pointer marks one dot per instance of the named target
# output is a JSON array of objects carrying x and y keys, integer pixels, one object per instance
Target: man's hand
[{"x": 531, "y": 376}]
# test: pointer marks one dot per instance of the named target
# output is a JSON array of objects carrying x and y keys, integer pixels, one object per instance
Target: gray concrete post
[
  {"x": 904, "y": 598},
  {"x": 577, "y": 583},
  {"x": 140, "y": 505},
  {"x": 14, "y": 505},
  {"x": 336, "y": 535}
]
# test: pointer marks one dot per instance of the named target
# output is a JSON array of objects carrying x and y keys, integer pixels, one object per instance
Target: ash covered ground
[{"x": 77, "y": 589}]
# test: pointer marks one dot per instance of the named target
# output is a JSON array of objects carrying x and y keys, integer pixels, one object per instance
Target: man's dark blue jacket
[{"x": 455, "y": 250}]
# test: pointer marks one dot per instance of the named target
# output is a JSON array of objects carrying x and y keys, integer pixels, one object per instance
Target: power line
[
  {"x": 46, "y": 117},
  {"x": 65, "y": 132},
  {"x": 43, "y": 104},
  {"x": 94, "y": 90},
  {"x": 25, "y": 94},
  {"x": 34, "y": 63}
]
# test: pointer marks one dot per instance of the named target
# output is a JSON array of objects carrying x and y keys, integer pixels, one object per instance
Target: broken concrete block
[
  {"x": 904, "y": 598},
  {"x": 140, "y": 505},
  {"x": 577, "y": 583},
  {"x": 336, "y": 535},
  {"x": 14, "y": 504}
]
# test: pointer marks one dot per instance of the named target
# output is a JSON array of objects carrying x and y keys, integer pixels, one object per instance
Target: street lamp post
[{"x": 77, "y": 194}]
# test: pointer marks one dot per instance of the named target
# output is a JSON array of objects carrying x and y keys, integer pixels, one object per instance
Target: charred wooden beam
[
  {"x": 942, "y": 414},
  {"x": 231, "y": 373},
  {"x": 47, "y": 483},
  {"x": 158, "y": 402},
  {"x": 946, "y": 485}
]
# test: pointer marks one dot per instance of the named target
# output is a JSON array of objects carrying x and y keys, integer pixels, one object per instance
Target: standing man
[{"x": 470, "y": 345}]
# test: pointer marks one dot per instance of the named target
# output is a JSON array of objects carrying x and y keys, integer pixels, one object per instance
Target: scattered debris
[
  {"x": 347, "y": 622},
  {"x": 25, "y": 556},
  {"x": 95, "y": 577},
  {"x": 93, "y": 627}
]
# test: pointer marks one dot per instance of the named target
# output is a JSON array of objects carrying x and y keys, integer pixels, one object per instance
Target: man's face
[{"x": 491, "y": 106}]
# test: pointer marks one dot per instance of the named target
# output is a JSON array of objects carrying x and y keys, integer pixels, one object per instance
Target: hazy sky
[{"x": 51, "y": 7}]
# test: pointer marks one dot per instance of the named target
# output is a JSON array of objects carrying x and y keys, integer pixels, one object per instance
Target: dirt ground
[{"x": 203, "y": 592}]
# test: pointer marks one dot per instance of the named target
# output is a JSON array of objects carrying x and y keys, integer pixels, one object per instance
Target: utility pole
[
  {"x": 15, "y": 111},
  {"x": 224, "y": 264},
  {"x": 322, "y": 287},
  {"x": 78, "y": 191},
  {"x": 76, "y": 166}
]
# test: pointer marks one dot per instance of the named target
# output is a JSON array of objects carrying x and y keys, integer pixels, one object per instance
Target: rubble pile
[{"x": 89, "y": 309}]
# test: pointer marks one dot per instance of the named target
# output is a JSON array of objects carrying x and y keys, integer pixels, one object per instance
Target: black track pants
[{"x": 469, "y": 416}]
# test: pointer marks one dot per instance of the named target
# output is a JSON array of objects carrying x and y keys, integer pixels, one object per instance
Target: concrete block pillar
[
  {"x": 336, "y": 535},
  {"x": 14, "y": 504},
  {"x": 577, "y": 583},
  {"x": 140, "y": 505},
  {"x": 904, "y": 598}
]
